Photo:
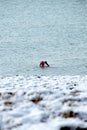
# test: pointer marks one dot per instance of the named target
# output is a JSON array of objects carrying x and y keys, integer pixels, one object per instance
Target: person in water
[{"x": 44, "y": 64}]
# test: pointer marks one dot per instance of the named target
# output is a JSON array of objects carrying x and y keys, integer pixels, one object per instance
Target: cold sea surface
[{"x": 51, "y": 30}]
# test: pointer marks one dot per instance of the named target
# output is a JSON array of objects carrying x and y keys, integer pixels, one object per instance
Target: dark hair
[{"x": 46, "y": 62}]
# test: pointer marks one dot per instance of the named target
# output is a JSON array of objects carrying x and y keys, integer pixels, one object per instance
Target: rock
[
  {"x": 69, "y": 114},
  {"x": 36, "y": 100},
  {"x": 8, "y": 103},
  {"x": 0, "y": 94},
  {"x": 65, "y": 128},
  {"x": 78, "y": 128}
]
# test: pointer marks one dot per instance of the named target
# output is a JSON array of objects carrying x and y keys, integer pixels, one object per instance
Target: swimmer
[{"x": 44, "y": 64}]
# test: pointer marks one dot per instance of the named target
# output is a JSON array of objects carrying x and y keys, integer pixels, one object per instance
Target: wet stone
[
  {"x": 36, "y": 100},
  {"x": 8, "y": 103},
  {"x": 69, "y": 114},
  {"x": 65, "y": 128},
  {"x": 78, "y": 128}
]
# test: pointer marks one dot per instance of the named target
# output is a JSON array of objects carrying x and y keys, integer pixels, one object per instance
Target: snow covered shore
[{"x": 43, "y": 103}]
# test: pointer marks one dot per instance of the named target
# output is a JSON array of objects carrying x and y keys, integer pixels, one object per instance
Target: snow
[{"x": 43, "y": 102}]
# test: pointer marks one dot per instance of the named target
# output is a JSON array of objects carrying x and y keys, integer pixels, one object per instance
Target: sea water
[{"x": 35, "y": 30}]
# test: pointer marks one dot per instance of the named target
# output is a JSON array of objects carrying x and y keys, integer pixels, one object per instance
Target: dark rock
[
  {"x": 36, "y": 100},
  {"x": 8, "y": 103},
  {"x": 69, "y": 114},
  {"x": 75, "y": 84},
  {"x": 10, "y": 93},
  {"x": 78, "y": 128},
  {"x": 0, "y": 94},
  {"x": 65, "y": 128}
]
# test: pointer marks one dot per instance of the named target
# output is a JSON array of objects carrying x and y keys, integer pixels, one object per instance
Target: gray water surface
[{"x": 35, "y": 30}]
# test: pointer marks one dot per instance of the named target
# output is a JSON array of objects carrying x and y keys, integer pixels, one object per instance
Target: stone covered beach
[{"x": 43, "y": 102}]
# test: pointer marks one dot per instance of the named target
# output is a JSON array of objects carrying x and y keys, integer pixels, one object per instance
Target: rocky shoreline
[{"x": 43, "y": 102}]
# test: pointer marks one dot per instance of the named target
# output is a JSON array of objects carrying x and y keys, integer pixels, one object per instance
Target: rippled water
[{"x": 52, "y": 30}]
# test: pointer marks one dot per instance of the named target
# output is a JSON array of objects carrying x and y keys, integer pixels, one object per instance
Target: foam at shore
[{"x": 43, "y": 102}]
